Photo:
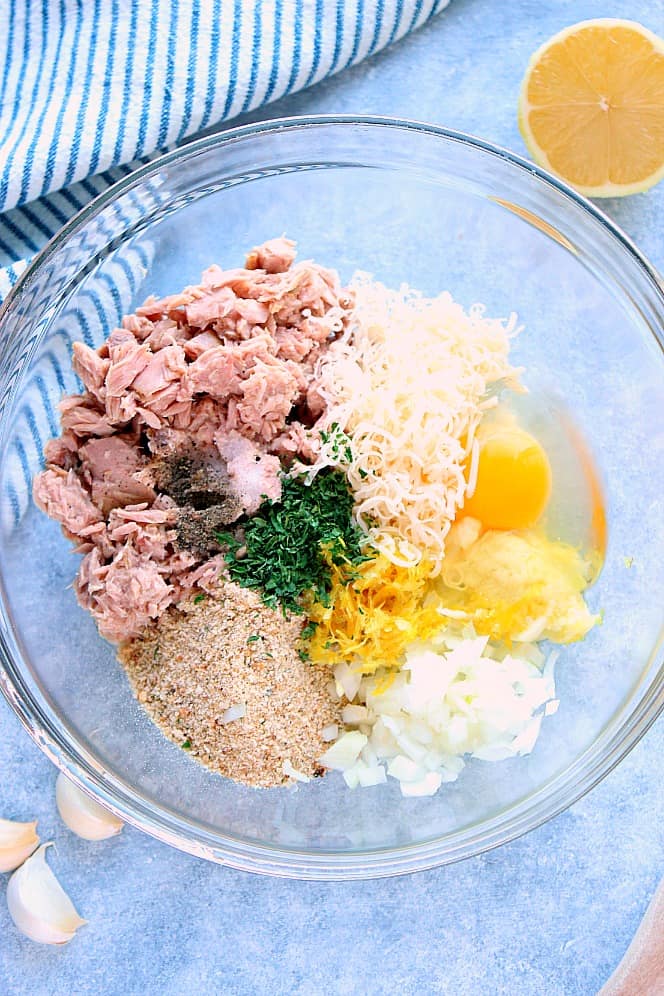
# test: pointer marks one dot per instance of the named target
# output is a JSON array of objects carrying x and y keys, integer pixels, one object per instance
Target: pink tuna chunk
[
  {"x": 220, "y": 371},
  {"x": 253, "y": 312},
  {"x": 61, "y": 495},
  {"x": 124, "y": 596},
  {"x": 293, "y": 344},
  {"x": 214, "y": 276},
  {"x": 140, "y": 327},
  {"x": 149, "y": 530},
  {"x": 127, "y": 358},
  {"x": 297, "y": 441},
  {"x": 142, "y": 514},
  {"x": 315, "y": 401},
  {"x": 166, "y": 332},
  {"x": 206, "y": 418},
  {"x": 199, "y": 344},
  {"x": 91, "y": 368},
  {"x": 90, "y": 577},
  {"x": 80, "y": 413},
  {"x": 172, "y": 306},
  {"x": 108, "y": 467},
  {"x": 164, "y": 367},
  {"x": 216, "y": 373},
  {"x": 63, "y": 451},
  {"x": 268, "y": 395},
  {"x": 274, "y": 256},
  {"x": 206, "y": 576},
  {"x": 211, "y": 306},
  {"x": 254, "y": 475}
]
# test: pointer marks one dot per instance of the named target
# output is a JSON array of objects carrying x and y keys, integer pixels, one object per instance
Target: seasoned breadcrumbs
[{"x": 229, "y": 650}]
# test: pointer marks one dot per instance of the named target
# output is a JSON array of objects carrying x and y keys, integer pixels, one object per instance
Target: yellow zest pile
[{"x": 370, "y": 620}]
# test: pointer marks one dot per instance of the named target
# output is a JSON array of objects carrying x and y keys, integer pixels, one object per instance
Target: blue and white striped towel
[{"x": 89, "y": 88}]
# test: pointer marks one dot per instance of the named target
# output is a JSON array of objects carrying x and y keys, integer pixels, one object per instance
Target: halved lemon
[{"x": 591, "y": 107}]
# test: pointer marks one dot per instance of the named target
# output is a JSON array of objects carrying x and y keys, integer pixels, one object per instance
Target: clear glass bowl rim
[{"x": 550, "y": 799}]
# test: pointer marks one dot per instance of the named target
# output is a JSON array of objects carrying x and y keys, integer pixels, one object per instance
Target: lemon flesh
[{"x": 591, "y": 107}]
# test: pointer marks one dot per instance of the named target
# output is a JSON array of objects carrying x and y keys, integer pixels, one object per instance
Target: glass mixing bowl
[{"x": 408, "y": 203}]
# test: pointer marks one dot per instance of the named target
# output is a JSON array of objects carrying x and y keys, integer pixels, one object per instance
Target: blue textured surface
[{"x": 549, "y": 914}]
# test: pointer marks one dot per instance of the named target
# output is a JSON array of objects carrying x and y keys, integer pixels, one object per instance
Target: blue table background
[{"x": 551, "y": 913}]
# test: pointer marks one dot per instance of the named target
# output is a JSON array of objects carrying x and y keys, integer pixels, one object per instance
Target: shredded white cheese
[{"x": 408, "y": 385}]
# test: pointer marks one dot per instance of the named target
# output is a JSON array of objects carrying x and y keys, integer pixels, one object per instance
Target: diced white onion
[
  {"x": 524, "y": 742},
  {"x": 354, "y": 714},
  {"x": 372, "y": 776},
  {"x": 404, "y": 769},
  {"x": 348, "y": 679},
  {"x": 292, "y": 772},
  {"x": 343, "y": 754},
  {"x": 465, "y": 698},
  {"x": 232, "y": 713},
  {"x": 428, "y": 785},
  {"x": 334, "y": 690}
]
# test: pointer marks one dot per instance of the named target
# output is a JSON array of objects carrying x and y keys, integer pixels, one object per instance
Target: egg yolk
[{"x": 513, "y": 480}]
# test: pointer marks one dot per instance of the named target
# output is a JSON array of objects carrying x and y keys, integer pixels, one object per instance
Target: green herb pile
[
  {"x": 289, "y": 545},
  {"x": 340, "y": 444}
]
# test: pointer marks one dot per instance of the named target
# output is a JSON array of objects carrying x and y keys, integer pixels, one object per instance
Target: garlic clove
[
  {"x": 83, "y": 815},
  {"x": 38, "y": 904},
  {"x": 17, "y": 842}
]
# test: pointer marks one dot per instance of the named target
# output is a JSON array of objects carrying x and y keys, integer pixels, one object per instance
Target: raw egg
[{"x": 513, "y": 479}]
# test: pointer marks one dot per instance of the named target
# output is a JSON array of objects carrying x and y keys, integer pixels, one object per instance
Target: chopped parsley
[
  {"x": 290, "y": 545},
  {"x": 186, "y": 744},
  {"x": 340, "y": 445},
  {"x": 252, "y": 639},
  {"x": 199, "y": 598}
]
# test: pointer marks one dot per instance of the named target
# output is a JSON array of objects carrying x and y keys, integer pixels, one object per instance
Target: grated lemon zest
[{"x": 371, "y": 619}]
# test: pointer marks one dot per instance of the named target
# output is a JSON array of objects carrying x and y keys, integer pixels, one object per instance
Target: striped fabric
[{"x": 89, "y": 88}]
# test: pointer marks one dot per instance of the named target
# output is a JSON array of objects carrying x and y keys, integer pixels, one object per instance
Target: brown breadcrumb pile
[{"x": 228, "y": 650}]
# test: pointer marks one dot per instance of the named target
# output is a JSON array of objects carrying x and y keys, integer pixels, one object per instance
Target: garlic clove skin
[
  {"x": 83, "y": 815},
  {"x": 17, "y": 842},
  {"x": 38, "y": 904}
]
